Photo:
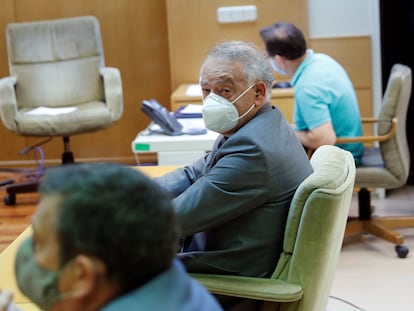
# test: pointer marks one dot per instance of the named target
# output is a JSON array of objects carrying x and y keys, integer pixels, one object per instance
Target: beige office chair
[
  {"x": 313, "y": 237},
  {"x": 386, "y": 166},
  {"x": 58, "y": 83}
]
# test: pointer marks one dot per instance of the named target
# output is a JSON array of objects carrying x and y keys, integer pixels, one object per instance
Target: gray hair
[{"x": 256, "y": 66}]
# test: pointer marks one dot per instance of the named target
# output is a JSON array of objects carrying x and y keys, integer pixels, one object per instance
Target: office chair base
[
  {"x": 31, "y": 186},
  {"x": 402, "y": 251},
  {"x": 10, "y": 199},
  {"x": 13, "y": 189},
  {"x": 382, "y": 227}
]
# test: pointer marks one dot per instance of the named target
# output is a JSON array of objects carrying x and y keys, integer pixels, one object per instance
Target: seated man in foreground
[{"x": 105, "y": 238}]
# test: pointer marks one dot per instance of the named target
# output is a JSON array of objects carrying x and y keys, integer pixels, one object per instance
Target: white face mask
[
  {"x": 219, "y": 114},
  {"x": 276, "y": 68}
]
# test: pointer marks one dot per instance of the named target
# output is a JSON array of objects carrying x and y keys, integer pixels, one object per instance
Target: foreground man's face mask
[
  {"x": 219, "y": 114},
  {"x": 37, "y": 283}
]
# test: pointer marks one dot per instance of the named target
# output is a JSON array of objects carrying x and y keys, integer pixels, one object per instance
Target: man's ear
[
  {"x": 87, "y": 273},
  {"x": 261, "y": 92}
]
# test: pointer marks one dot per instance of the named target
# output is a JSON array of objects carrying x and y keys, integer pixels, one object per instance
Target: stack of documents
[{"x": 189, "y": 111}]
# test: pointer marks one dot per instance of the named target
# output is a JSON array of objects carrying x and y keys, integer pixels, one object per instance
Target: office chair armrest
[
  {"x": 370, "y": 138},
  {"x": 8, "y": 103},
  {"x": 113, "y": 91},
  {"x": 250, "y": 287},
  {"x": 369, "y": 120}
]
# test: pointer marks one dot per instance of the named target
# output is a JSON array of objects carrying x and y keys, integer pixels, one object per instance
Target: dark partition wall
[{"x": 397, "y": 46}]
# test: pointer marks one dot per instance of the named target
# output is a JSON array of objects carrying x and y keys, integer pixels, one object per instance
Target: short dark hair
[
  {"x": 116, "y": 214},
  {"x": 284, "y": 39}
]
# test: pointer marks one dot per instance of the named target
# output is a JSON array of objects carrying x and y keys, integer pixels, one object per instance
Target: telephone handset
[{"x": 161, "y": 116}]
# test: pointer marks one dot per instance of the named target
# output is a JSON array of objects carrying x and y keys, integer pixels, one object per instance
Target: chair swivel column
[
  {"x": 364, "y": 204},
  {"x": 67, "y": 155}
]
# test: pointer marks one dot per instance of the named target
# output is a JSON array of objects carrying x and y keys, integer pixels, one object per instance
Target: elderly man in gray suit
[{"x": 233, "y": 203}]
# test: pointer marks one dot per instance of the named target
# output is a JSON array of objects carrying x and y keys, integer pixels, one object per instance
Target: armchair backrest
[
  {"x": 316, "y": 226},
  {"x": 395, "y": 152},
  {"x": 66, "y": 54}
]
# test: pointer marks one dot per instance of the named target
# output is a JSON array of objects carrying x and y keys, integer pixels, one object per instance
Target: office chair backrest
[
  {"x": 67, "y": 54},
  {"x": 316, "y": 226},
  {"x": 395, "y": 152}
]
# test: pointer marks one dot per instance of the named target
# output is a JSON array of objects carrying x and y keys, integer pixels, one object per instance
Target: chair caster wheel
[
  {"x": 10, "y": 199},
  {"x": 402, "y": 251}
]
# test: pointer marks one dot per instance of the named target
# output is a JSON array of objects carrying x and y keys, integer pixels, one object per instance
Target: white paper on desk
[
  {"x": 188, "y": 125},
  {"x": 50, "y": 111},
  {"x": 191, "y": 109},
  {"x": 154, "y": 128},
  {"x": 193, "y": 90}
]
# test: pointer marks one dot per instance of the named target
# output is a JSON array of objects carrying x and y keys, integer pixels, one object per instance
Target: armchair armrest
[
  {"x": 369, "y": 120},
  {"x": 8, "y": 103},
  {"x": 113, "y": 91},
  {"x": 370, "y": 138},
  {"x": 273, "y": 290}
]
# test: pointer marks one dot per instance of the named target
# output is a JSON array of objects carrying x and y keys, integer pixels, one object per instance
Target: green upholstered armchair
[
  {"x": 59, "y": 85},
  {"x": 313, "y": 238}
]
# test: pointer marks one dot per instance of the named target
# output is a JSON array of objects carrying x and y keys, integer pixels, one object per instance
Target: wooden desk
[
  {"x": 155, "y": 171},
  {"x": 7, "y": 277},
  {"x": 281, "y": 98}
]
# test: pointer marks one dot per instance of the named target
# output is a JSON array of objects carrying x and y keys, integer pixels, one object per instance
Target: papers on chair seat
[{"x": 50, "y": 111}]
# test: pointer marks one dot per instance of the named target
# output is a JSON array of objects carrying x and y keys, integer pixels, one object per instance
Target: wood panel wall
[
  {"x": 354, "y": 54},
  {"x": 193, "y": 29},
  {"x": 157, "y": 45},
  {"x": 134, "y": 35}
]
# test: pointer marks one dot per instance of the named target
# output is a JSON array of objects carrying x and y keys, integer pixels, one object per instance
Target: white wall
[{"x": 339, "y": 18}]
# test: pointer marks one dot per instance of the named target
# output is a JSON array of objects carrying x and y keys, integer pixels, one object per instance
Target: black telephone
[{"x": 161, "y": 116}]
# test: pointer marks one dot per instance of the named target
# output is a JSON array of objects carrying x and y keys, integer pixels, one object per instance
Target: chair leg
[
  {"x": 13, "y": 189},
  {"x": 67, "y": 155},
  {"x": 364, "y": 204},
  {"x": 381, "y": 227}
]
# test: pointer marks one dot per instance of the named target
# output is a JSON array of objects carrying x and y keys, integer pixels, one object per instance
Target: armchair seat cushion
[
  {"x": 87, "y": 117},
  {"x": 373, "y": 171}
]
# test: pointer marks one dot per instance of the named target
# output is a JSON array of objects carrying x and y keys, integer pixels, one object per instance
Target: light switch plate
[{"x": 236, "y": 14}]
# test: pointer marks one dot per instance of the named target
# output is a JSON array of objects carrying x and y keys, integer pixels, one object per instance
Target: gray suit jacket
[{"x": 238, "y": 196}]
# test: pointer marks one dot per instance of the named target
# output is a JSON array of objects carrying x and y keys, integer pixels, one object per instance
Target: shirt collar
[{"x": 303, "y": 64}]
